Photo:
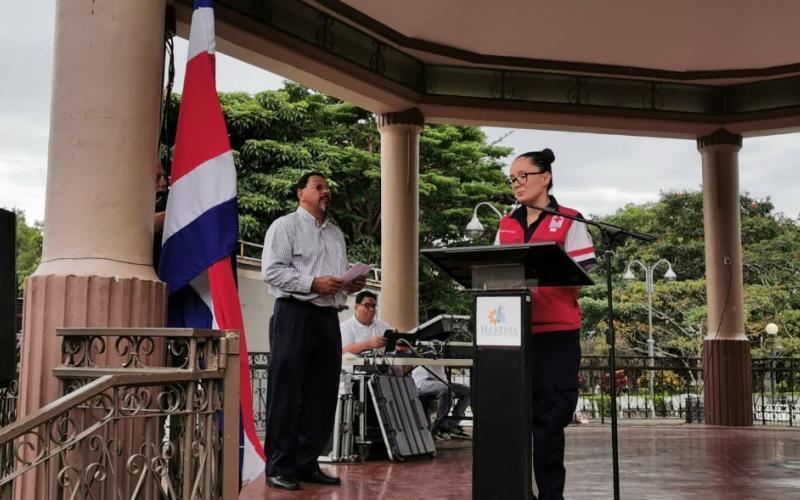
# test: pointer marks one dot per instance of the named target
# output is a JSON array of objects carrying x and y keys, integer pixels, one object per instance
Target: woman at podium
[{"x": 556, "y": 317}]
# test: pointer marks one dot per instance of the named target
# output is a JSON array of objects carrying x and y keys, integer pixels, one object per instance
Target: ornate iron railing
[
  {"x": 658, "y": 388},
  {"x": 677, "y": 389},
  {"x": 8, "y": 393},
  {"x": 259, "y": 362},
  {"x": 776, "y": 387},
  {"x": 143, "y": 417}
]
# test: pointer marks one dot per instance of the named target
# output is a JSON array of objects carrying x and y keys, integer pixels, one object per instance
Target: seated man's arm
[{"x": 372, "y": 343}]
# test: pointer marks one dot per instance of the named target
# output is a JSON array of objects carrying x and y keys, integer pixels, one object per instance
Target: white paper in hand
[{"x": 358, "y": 270}]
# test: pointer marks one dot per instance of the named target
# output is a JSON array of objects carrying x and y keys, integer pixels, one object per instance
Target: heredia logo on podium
[
  {"x": 497, "y": 315},
  {"x": 498, "y": 326}
]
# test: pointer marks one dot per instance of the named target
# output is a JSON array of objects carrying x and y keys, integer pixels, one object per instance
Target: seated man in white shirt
[
  {"x": 363, "y": 331},
  {"x": 428, "y": 385}
]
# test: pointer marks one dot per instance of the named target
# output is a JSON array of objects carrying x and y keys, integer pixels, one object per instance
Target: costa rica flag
[{"x": 201, "y": 226}]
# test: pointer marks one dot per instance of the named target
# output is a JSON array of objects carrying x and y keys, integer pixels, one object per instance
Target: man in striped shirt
[{"x": 303, "y": 261}]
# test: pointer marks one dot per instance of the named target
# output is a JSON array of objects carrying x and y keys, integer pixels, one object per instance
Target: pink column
[
  {"x": 726, "y": 350},
  {"x": 96, "y": 262},
  {"x": 400, "y": 217}
]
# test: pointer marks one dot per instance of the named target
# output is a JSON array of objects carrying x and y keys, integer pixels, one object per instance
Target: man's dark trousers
[
  {"x": 555, "y": 362},
  {"x": 302, "y": 385}
]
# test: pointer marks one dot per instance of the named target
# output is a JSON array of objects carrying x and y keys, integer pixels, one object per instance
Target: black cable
[
  {"x": 725, "y": 303},
  {"x": 169, "y": 35}
]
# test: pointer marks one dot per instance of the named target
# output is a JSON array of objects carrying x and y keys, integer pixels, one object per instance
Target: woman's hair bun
[
  {"x": 548, "y": 156},
  {"x": 543, "y": 159}
]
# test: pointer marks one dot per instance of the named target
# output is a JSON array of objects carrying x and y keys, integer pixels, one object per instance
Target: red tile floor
[{"x": 656, "y": 462}]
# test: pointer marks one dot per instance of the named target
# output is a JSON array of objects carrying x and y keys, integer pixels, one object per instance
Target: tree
[
  {"x": 29, "y": 248},
  {"x": 771, "y": 247}
]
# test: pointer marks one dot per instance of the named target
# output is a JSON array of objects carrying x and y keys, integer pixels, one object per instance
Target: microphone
[{"x": 611, "y": 230}]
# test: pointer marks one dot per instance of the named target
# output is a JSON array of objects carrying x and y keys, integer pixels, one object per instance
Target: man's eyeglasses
[
  {"x": 522, "y": 177},
  {"x": 369, "y": 306}
]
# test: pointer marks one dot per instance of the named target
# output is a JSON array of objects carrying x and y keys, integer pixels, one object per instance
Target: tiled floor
[{"x": 656, "y": 462}]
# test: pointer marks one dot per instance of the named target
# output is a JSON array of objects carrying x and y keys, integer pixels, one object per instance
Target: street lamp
[
  {"x": 648, "y": 280},
  {"x": 474, "y": 227},
  {"x": 772, "y": 331}
]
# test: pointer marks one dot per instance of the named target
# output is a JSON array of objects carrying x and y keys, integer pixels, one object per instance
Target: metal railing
[
  {"x": 8, "y": 402},
  {"x": 259, "y": 362},
  {"x": 142, "y": 417},
  {"x": 250, "y": 250},
  {"x": 9, "y": 393},
  {"x": 776, "y": 391},
  {"x": 8, "y": 414},
  {"x": 677, "y": 389}
]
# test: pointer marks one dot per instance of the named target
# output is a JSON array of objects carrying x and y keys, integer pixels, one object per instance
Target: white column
[
  {"x": 723, "y": 239},
  {"x": 727, "y": 369},
  {"x": 96, "y": 265},
  {"x": 400, "y": 217},
  {"x": 107, "y": 73}
]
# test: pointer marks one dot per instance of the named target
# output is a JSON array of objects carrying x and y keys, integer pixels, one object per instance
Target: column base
[
  {"x": 54, "y": 301},
  {"x": 727, "y": 371}
]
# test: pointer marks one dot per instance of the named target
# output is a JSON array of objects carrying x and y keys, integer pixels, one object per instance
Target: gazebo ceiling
[
  {"x": 681, "y": 68},
  {"x": 676, "y": 36}
]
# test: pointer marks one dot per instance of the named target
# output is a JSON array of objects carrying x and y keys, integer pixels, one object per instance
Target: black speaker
[{"x": 8, "y": 296}]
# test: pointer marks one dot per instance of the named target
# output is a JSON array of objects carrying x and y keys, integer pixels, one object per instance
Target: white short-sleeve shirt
[
  {"x": 421, "y": 375},
  {"x": 353, "y": 331}
]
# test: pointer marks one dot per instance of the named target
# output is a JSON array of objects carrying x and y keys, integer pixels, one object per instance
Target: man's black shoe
[
  {"x": 283, "y": 482},
  {"x": 319, "y": 477}
]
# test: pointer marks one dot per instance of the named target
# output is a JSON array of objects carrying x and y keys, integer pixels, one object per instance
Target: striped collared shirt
[{"x": 298, "y": 249}]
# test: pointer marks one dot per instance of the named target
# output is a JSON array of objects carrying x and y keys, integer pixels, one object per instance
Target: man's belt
[{"x": 330, "y": 310}]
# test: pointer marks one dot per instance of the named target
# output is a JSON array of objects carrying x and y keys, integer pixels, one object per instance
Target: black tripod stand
[{"x": 611, "y": 235}]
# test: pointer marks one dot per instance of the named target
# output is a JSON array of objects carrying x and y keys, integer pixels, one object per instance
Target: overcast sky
[{"x": 593, "y": 173}]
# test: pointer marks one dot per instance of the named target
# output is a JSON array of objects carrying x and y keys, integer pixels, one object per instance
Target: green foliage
[
  {"x": 603, "y": 403},
  {"x": 661, "y": 404},
  {"x": 457, "y": 171},
  {"x": 771, "y": 242},
  {"x": 666, "y": 381},
  {"x": 770, "y": 253},
  {"x": 29, "y": 248}
]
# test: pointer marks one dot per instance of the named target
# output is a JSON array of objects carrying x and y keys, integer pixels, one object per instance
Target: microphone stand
[{"x": 611, "y": 235}]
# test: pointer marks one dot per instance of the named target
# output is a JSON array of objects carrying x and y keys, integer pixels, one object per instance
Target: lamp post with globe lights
[
  {"x": 772, "y": 330},
  {"x": 648, "y": 280},
  {"x": 474, "y": 227}
]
